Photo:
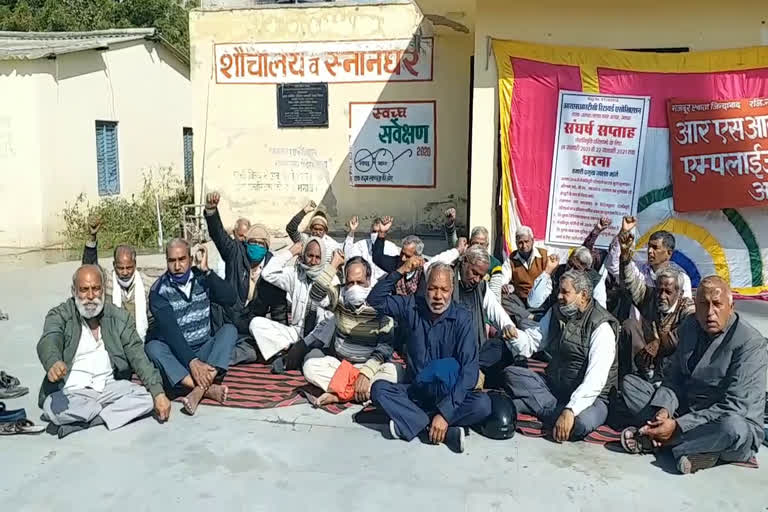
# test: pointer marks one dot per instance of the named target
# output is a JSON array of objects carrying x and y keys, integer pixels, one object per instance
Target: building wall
[
  {"x": 140, "y": 85},
  {"x": 20, "y": 152},
  {"x": 241, "y": 120},
  {"x": 703, "y": 25}
]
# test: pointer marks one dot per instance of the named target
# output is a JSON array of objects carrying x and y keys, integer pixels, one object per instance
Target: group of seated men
[{"x": 689, "y": 374}]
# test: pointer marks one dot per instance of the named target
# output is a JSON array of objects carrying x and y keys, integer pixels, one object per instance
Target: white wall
[{"x": 55, "y": 106}]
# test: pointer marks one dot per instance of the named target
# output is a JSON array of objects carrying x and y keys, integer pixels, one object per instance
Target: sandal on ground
[
  {"x": 689, "y": 464},
  {"x": 10, "y": 386},
  {"x": 634, "y": 442},
  {"x": 20, "y": 427}
]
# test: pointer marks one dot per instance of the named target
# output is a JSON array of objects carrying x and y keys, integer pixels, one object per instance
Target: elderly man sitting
[
  {"x": 296, "y": 280},
  {"x": 239, "y": 234},
  {"x": 710, "y": 406},
  {"x": 661, "y": 247},
  {"x": 478, "y": 236},
  {"x": 132, "y": 284},
  {"x": 351, "y": 349},
  {"x": 580, "y": 336},
  {"x": 647, "y": 342},
  {"x": 245, "y": 261},
  {"x": 183, "y": 345},
  {"x": 441, "y": 360},
  {"x": 89, "y": 350},
  {"x": 318, "y": 228},
  {"x": 364, "y": 247},
  {"x": 543, "y": 294},
  {"x": 520, "y": 271}
]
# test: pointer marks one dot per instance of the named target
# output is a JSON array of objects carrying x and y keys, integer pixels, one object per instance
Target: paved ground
[{"x": 300, "y": 459}]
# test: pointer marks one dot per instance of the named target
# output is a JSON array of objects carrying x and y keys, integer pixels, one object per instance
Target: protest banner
[
  {"x": 718, "y": 153},
  {"x": 393, "y": 144},
  {"x": 596, "y": 164}
]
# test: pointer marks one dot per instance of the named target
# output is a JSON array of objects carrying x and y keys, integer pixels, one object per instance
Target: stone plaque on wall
[{"x": 302, "y": 105}]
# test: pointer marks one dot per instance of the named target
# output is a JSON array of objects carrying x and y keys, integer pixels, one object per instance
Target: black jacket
[{"x": 269, "y": 299}]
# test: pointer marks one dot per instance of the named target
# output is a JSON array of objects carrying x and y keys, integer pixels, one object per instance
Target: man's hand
[
  {"x": 362, "y": 389},
  {"x": 386, "y": 225},
  {"x": 202, "y": 373},
  {"x": 57, "y": 371},
  {"x": 162, "y": 407},
  {"x": 603, "y": 223},
  {"x": 450, "y": 216},
  {"x": 438, "y": 429},
  {"x": 212, "y": 200},
  {"x": 628, "y": 224},
  {"x": 564, "y": 426},
  {"x": 662, "y": 414},
  {"x": 296, "y": 248},
  {"x": 507, "y": 289},
  {"x": 627, "y": 245},
  {"x": 461, "y": 245},
  {"x": 201, "y": 257},
  {"x": 353, "y": 224},
  {"x": 553, "y": 260},
  {"x": 310, "y": 206},
  {"x": 509, "y": 332},
  {"x": 660, "y": 431},
  {"x": 337, "y": 260},
  {"x": 94, "y": 225},
  {"x": 411, "y": 264}
]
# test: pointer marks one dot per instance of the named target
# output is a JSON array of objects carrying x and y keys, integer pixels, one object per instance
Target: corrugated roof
[{"x": 38, "y": 45}]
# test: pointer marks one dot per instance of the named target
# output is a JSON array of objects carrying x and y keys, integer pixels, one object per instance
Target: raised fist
[
  {"x": 450, "y": 216},
  {"x": 212, "y": 200},
  {"x": 310, "y": 206},
  {"x": 553, "y": 260},
  {"x": 353, "y": 224},
  {"x": 94, "y": 225},
  {"x": 603, "y": 223},
  {"x": 628, "y": 224},
  {"x": 337, "y": 259}
]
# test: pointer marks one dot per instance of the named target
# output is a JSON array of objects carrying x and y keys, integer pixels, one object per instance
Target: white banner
[
  {"x": 397, "y": 60},
  {"x": 597, "y": 164},
  {"x": 393, "y": 144}
]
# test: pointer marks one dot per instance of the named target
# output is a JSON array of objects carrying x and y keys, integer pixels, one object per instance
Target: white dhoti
[
  {"x": 272, "y": 337},
  {"x": 320, "y": 370},
  {"x": 121, "y": 402}
]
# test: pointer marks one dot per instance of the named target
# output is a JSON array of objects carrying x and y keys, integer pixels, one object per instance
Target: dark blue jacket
[
  {"x": 449, "y": 336},
  {"x": 166, "y": 327}
]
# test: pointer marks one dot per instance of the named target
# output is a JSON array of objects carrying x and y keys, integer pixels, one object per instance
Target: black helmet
[{"x": 502, "y": 422}]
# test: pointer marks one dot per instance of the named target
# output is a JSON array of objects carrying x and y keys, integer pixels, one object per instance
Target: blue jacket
[{"x": 449, "y": 336}]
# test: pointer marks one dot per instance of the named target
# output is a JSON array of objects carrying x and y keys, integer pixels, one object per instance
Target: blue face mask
[
  {"x": 255, "y": 252},
  {"x": 182, "y": 279}
]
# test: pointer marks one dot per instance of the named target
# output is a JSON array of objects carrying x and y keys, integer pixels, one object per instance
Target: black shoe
[{"x": 455, "y": 439}]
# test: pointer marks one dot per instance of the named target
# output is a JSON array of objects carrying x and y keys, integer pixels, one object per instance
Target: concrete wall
[
  {"x": 701, "y": 25},
  {"x": 141, "y": 86},
  {"x": 241, "y": 120},
  {"x": 21, "y": 85}
]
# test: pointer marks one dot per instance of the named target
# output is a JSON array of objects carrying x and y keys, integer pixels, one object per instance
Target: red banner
[{"x": 718, "y": 153}]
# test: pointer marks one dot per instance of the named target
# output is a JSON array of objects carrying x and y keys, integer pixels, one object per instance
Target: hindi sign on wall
[
  {"x": 393, "y": 144},
  {"x": 718, "y": 153},
  {"x": 397, "y": 60},
  {"x": 597, "y": 164}
]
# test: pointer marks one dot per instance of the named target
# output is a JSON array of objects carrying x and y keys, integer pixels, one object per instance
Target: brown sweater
[{"x": 523, "y": 278}]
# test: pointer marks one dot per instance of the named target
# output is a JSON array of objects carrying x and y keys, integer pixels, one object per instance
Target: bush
[{"x": 129, "y": 221}]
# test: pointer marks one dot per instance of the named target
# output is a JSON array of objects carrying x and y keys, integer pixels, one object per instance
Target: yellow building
[
  {"x": 85, "y": 113},
  {"x": 240, "y": 120}
]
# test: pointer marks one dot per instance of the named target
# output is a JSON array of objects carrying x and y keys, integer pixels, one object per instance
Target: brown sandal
[{"x": 636, "y": 443}]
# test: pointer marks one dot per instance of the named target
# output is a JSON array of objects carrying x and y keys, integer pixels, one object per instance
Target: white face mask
[
  {"x": 354, "y": 296},
  {"x": 126, "y": 283}
]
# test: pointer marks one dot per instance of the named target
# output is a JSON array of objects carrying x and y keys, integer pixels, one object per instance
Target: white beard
[{"x": 91, "y": 309}]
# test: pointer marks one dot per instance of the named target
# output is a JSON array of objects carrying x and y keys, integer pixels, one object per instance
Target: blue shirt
[{"x": 451, "y": 335}]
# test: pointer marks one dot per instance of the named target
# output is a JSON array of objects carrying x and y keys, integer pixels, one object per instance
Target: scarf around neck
[{"x": 139, "y": 300}]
